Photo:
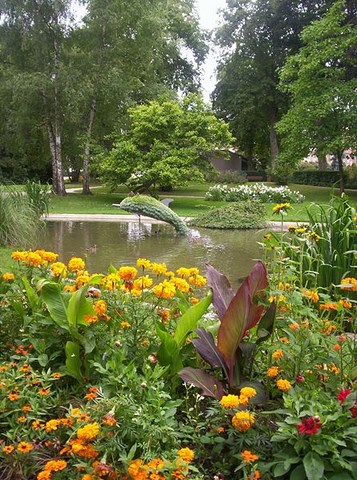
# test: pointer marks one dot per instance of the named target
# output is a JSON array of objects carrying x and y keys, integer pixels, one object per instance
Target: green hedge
[{"x": 322, "y": 178}]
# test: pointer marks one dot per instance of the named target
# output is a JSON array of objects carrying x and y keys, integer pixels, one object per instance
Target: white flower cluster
[{"x": 255, "y": 191}]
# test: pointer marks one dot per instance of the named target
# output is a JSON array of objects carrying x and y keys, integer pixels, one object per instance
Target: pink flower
[
  {"x": 309, "y": 425},
  {"x": 343, "y": 394}
]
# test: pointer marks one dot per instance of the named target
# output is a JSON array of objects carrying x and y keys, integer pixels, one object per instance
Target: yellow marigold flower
[
  {"x": 8, "y": 449},
  {"x": 169, "y": 274},
  {"x": 164, "y": 289},
  {"x": 50, "y": 256},
  {"x": 76, "y": 264},
  {"x": 142, "y": 282},
  {"x": 100, "y": 307},
  {"x": 24, "y": 447},
  {"x": 186, "y": 454},
  {"x": 278, "y": 354},
  {"x": 22, "y": 419},
  {"x": 194, "y": 300},
  {"x": 249, "y": 457},
  {"x": 70, "y": 288},
  {"x": 349, "y": 283},
  {"x": 183, "y": 272},
  {"x": 125, "y": 324},
  {"x": 143, "y": 262},
  {"x": 36, "y": 425},
  {"x": 135, "y": 292},
  {"x": 197, "y": 281},
  {"x": 194, "y": 271},
  {"x": 55, "y": 465},
  {"x": 284, "y": 286},
  {"x": 52, "y": 425},
  {"x": 243, "y": 421},
  {"x": 127, "y": 273},
  {"x": 273, "y": 372},
  {"x": 281, "y": 208},
  {"x": 8, "y": 276},
  {"x": 44, "y": 475},
  {"x": 248, "y": 392},
  {"x": 155, "y": 464},
  {"x": 159, "y": 268},
  {"x": 283, "y": 385},
  {"x": 19, "y": 256},
  {"x": 180, "y": 284},
  {"x": 34, "y": 259},
  {"x": 89, "y": 432},
  {"x": 82, "y": 279},
  {"x": 312, "y": 295},
  {"x": 229, "y": 401}
]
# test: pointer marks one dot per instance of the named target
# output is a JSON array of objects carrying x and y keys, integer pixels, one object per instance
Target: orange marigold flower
[
  {"x": 248, "y": 392},
  {"x": 44, "y": 391},
  {"x": 89, "y": 319},
  {"x": 349, "y": 283},
  {"x": 8, "y": 449},
  {"x": 248, "y": 456},
  {"x": 283, "y": 385},
  {"x": 345, "y": 303},
  {"x": 56, "y": 375},
  {"x": 278, "y": 354},
  {"x": 13, "y": 396},
  {"x": 76, "y": 264},
  {"x": 87, "y": 476},
  {"x": 197, "y": 281},
  {"x": 34, "y": 259},
  {"x": 194, "y": 300},
  {"x": 312, "y": 295},
  {"x": 294, "y": 326},
  {"x": 26, "y": 408},
  {"x": 22, "y": 419},
  {"x": 24, "y": 447},
  {"x": 109, "y": 420},
  {"x": 186, "y": 454},
  {"x": 229, "y": 401},
  {"x": 55, "y": 465},
  {"x": 52, "y": 425},
  {"x": 243, "y": 421},
  {"x": 8, "y": 276},
  {"x": 273, "y": 372},
  {"x": 100, "y": 307},
  {"x": 336, "y": 347},
  {"x": 127, "y": 273},
  {"x": 164, "y": 289},
  {"x": 88, "y": 432},
  {"x": 44, "y": 475}
]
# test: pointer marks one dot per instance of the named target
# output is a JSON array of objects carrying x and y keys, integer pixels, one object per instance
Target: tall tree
[
  {"x": 32, "y": 34},
  {"x": 322, "y": 81},
  {"x": 256, "y": 38}
]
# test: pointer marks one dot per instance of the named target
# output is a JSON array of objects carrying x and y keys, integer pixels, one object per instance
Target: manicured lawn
[{"x": 188, "y": 201}]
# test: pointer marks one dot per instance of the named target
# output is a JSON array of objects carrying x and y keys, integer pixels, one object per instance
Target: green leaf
[
  {"x": 73, "y": 361},
  {"x": 298, "y": 473},
  {"x": 43, "y": 359},
  {"x": 314, "y": 466},
  {"x": 188, "y": 321},
  {"x": 78, "y": 307},
  {"x": 168, "y": 353},
  {"x": 31, "y": 295},
  {"x": 56, "y": 303}
]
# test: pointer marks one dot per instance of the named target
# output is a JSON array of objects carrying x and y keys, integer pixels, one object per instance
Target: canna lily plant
[{"x": 238, "y": 312}]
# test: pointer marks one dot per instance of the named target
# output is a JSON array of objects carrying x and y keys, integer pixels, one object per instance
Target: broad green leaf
[
  {"x": 188, "y": 321},
  {"x": 314, "y": 466},
  {"x": 78, "y": 307},
  {"x": 31, "y": 295},
  {"x": 56, "y": 303},
  {"x": 298, "y": 473},
  {"x": 168, "y": 353},
  {"x": 73, "y": 361}
]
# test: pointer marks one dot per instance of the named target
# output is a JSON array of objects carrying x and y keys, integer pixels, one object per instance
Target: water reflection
[{"x": 120, "y": 243}]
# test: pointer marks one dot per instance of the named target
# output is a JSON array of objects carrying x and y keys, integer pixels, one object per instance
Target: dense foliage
[{"x": 240, "y": 215}]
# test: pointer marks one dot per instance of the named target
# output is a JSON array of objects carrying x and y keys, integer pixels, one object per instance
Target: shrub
[
  {"x": 240, "y": 215},
  {"x": 256, "y": 192},
  {"x": 39, "y": 196},
  {"x": 320, "y": 178},
  {"x": 229, "y": 176}
]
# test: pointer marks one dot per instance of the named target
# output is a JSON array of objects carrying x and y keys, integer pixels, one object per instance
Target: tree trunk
[
  {"x": 274, "y": 146},
  {"x": 86, "y": 158},
  {"x": 340, "y": 169}
]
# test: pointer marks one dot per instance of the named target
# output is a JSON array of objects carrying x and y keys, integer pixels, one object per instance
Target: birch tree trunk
[
  {"x": 274, "y": 146},
  {"x": 86, "y": 154}
]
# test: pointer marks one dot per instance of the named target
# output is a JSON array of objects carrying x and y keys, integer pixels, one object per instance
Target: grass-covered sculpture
[{"x": 150, "y": 207}]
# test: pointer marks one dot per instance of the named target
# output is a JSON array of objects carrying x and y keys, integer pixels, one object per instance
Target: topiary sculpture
[{"x": 149, "y": 206}]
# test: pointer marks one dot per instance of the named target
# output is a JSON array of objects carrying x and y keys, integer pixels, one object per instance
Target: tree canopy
[{"x": 166, "y": 144}]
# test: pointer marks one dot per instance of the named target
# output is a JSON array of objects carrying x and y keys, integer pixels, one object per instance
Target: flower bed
[
  {"x": 257, "y": 191},
  {"x": 135, "y": 375}
]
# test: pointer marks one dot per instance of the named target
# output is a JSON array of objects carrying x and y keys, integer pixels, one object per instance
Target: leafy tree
[
  {"x": 256, "y": 38},
  {"x": 322, "y": 81},
  {"x": 166, "y": 144}
]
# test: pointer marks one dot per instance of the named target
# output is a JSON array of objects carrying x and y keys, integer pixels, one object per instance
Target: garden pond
[{"x": 121, "y": 243}]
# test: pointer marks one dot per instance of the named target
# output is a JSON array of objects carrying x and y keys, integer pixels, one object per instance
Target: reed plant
[{"x": 19, "y": 219}]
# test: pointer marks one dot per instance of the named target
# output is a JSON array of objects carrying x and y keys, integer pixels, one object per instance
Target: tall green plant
[
  {"x": 39, "y": 196},
  {"x": 19, "y": 222}
]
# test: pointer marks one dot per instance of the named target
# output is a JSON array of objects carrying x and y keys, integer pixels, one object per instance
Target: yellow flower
[
  {"x": 180, "y": 284},
  {"x": 58, "y": 269},
  {"x": 243, "y": 421},
  {"x": 91, "y": 319},
  {"x": 197, "y": 281},
  {"x": 44, "y": 475},
  {"x": 55, "y": 465},
  {"x": 52, "y": 425},
  {"x": 49, "y": 256},
  {"x": 248, "y": 392},
  {"x": 89, "y": 432},
  {"x": 345, "y": 303},
  {"x": 19, "y": 256},
  {"x": 143, "y": 262},
  {"x": 349, "y": 283},
  {"x": 229, "y": 401},
  {"x": 125, "y": 325},
  {"x": 82, "y": 279},
  {"x": 183, "y": 272},
  {"x": 186, "y": 454},
  {"x": 127, "y": 273},
  {"x": 313, "y": 295},
  {"x": 164, "y": 289},
  {"x": 100, "y": 307},
  {"x": 273, "y": 372},
  {"x": 281, "y": 208},
  {"x": 8, "y": 449},
  {"x": 8, "y": 276},
  {"x": 159, "y": 268},
  {"x": 142, "y": 282},
  {"x": 24, "y": 447},
  {"x": 248, "y": 456},
  {"x": 313, "y": 236},
  {"x": 76, "y": 264},
  {"x": 34, "y": 259},
  {"x": 278, "y": 354},
  {"x": 283, "y": 385}
]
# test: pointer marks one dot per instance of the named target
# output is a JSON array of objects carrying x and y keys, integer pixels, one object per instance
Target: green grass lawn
[
  {"x": 5, "y": 259},
  {"x": 188, "y": 201}
]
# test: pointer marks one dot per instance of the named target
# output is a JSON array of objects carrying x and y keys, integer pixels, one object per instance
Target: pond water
[{"x": 232, "y": 252}]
